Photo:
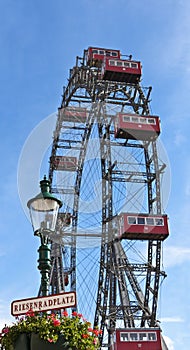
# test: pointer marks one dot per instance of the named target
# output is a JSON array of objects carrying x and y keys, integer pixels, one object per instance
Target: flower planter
[
  {"x": 32, "y": 331},
  {"x": 23, "y": 342},
  {"x": 36, "y": 343}
]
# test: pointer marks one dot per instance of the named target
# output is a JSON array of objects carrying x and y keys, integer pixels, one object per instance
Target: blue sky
[{"x": 39, "y": 41}]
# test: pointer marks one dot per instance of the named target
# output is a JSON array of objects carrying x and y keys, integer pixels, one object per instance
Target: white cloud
[
  {"x": 172, "y": 319},
  {"x": 176, "y": 255},
  {"x": 169, "y": 343}
]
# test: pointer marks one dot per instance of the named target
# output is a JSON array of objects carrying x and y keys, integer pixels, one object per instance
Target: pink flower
[
  {"x": 65, "y": 313},
  {"x": 30, "y": 313},
  {"x": 56, "y": 322},
  {"x": 96, "y": 332},
  {"x": 80, "y": 315},
  {"x": 74, "y": 313},
  {"x": 5, "y": 330},
  {"x": 95, "y": 341},
  {"x": 90, "y": 329},
  {"x": 85, "y": 336},
  {"x": 50, "y": 340}
]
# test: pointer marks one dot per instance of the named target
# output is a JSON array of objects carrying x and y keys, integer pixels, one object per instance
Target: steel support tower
[{"x": 117, "y": 281}]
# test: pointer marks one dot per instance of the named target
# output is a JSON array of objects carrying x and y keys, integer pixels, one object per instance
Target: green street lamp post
[{"x": 43, "y": 213}]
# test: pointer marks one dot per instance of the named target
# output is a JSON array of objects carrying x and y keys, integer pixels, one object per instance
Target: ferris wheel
[{"x": 105, "y": 167}]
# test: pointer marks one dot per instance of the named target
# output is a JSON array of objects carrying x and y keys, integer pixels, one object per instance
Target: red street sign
[{"x": 50, "y": 302}]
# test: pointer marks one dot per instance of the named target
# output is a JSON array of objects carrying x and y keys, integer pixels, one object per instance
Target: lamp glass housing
[
  {"x": 44, "y": 209},
  {"x": 43, "y": 213}
]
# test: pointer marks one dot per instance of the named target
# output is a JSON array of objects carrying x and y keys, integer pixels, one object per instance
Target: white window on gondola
[
  {"x": 152, "y": 336},
  {"x": 141, "y": 221},
  {"x": 150, "y": 221},
  {"x": 95, "y": 51},
  {"x": 143, "y": 120},
  {"x": 119, "y": 63},
  {"x": 151, "y": 121},
  {"x": 112, "y": 63},
  {"x": 135, "y": 119},
  {"x": 132, "y": 220},
  {"x": 159, "y": 222},
  {"x": 124, "y": 336},
  {"x": 143, "y": 336},
  {"x": 133, "y": 336},
  {"x": 101, "y": 52},
  {"x": 126, "y": 64},
  {"x": 126, "y": 118},
  {"x": 114, "y": 54},
  {"x": 134, "y": 65}
]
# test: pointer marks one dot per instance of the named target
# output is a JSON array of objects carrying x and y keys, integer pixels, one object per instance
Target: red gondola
[
  {"x": 121, "y": 70},
  {"x": 73, "y": 114},
  {"x": 64, "y": 163},
  {"x": 143, "y": 226},
  {"x": 135, "y": 127},
  {"x": 142, "y": 338},
  {"x": 95, "y": 55}
]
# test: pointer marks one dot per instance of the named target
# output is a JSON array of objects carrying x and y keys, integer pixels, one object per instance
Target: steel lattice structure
[{"x": 117, "y": 280}]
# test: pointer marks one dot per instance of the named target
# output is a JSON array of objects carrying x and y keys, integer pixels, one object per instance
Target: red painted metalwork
[
  {"x": 136, "y": 127},
  {"x": 143, "y": 226},
  {"x": 121, "y": 70}
]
